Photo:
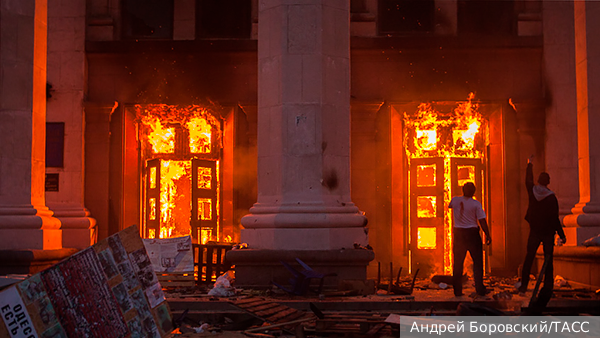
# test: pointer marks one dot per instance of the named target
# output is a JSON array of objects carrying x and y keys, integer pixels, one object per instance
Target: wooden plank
[
  {"x": 282, "y": 314},
  {"x": 278, "y": 325},
  {"x": 298, "y": 315},
  {"x": 255, "y": 307},
  {"x": 247, "y": 300},
  {"x": 177, "y": 285},
  {"x": 269, "y": 312},
  {"x": 178, "y": 278},
  {"x": 375, "y": 329},
  {"x": 253, "y": 304}
]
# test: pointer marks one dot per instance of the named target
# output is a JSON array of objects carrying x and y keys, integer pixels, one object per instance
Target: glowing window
[
  {"x": 152, "y": 206},
  {"x": 426, "y": 238},
  {"x": 465, "y": 139},
  {"x": 200, "y": 135},
  {"x": 204, "y": 209},
  {"x": 426, "y": 206},
  {"x": 426, "y": 139},
  {"x": 162, "y": 139},
  {"x": 205, "y": 235},
  {"x": 153, "y": 178},
  {"x": 204, "y": 178},
  {"x": 465, "y": 173},
  {"x": 151, "y": 233},
  {"x": 426, "y": 175}
]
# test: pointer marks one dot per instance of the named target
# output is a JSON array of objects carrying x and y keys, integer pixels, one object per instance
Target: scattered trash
[
  {"x": 240, "y": 246},
  {"x": 222, "y": 287},
  {"x": 358, "y": 246},
  {"x": 503, "y": 295},
  {"x": 594, "y": 241},
  {"x": 518, "y": 285},
  {"x": 447, "y": 279},
  {"x": 443, "y": 286},
  {"x": 560, "y": 282}
]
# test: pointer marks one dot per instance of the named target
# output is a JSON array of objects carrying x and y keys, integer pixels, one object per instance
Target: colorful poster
[
  {"x": 171, "y": 254},
  {"x": 107, "y": 290},
  {"x": 15, "y": 315}
]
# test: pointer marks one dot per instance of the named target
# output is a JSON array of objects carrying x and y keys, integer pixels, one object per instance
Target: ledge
[
  {"x": 31, "y": 261},
  {"x": 582, "y": 252},
  {"x": 332, "y": 257}
]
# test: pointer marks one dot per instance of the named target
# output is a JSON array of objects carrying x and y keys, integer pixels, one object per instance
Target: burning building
[{"x": 179, "y": 115}]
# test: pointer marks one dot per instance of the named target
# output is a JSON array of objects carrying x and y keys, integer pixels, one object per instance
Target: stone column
[
  {"x": 304, "y": 199},
  {"x": 584, "y": 222},
  {"x": 66, "y": 74},
  {"x": 25, "y": 221},
  {"x": 561, "y": 110}
]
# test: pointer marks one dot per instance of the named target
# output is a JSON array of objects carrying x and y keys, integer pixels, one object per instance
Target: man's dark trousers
[
  {"x": 467, "y": 239},
  {"x": 533, "y": 242}
]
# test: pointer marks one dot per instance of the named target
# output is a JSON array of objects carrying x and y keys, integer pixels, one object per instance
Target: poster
[
  {"x": 171, "y": 254},
  {"x": 107, "y": 290}
]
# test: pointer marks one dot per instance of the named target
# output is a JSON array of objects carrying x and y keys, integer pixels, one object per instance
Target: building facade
[{"x": 160, "y": 113}]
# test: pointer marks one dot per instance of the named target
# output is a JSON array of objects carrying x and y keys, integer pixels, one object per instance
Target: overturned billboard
[{"x": 107, "y": 290}]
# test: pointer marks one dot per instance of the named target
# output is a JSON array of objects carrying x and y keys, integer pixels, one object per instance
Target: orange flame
[
  {"x": 161, "y": 138},
  {"x": 184, "y": 133},
  {"x": 426, "y": 238},
  {"x": 200, "y": 135},
  {"x": 175, "y": 200},
  {"x": 431, "y": 134}
]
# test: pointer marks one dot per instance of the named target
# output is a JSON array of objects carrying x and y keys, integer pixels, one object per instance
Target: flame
[
  {"x": 177, "y": 135},
  {"x": 426, "y": 238},
  {"x": 175, "y": 199},
  {"x": 426, "y": 175},
  {"x": 426, "y": 206},
  {"x": 428, "y": 133},
  {"x": 205, "y": 235},
  {"x": 161, "y": 138},
  {"x": 200, "y": 135}
]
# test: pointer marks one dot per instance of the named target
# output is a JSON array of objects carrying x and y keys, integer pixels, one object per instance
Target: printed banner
[
  {"x": 170, "y": 254},
  {"x": 107, "y": 290},
  {"x": 15, "y": 315}
]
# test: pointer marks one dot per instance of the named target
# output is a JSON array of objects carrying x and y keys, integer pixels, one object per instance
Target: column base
[
  {"x": 30, "y": 261},
  {"x": 581, "y": 226},
  {"x": 578, "y": 235},
  {"x": 258, "y": 268},
  {"x": 27, "y": 227},
  {"x": 304, "y": 238},
  {"x": 78, "y": 230},
  {"x": 30, "y": 239}
]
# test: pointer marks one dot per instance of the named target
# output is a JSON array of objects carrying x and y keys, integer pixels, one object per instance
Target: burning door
[
  {"x": 181, "y": 149},
  {"x": 204, "y": 199},
  {"x": 444, "y": 151},
  {"x": 426, "y": 212}
]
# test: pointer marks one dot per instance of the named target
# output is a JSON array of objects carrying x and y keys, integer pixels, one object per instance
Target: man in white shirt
[{"x": 468, "y": 216}]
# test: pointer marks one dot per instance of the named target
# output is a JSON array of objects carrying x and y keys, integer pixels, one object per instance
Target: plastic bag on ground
[{"x": 222, "y": 287}]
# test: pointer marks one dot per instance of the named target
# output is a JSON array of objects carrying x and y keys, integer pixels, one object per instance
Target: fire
[
  {"x": 429, "y": 133},
  {"x": 200, "y": 135},
  {"x": 426, "y": 238},
  {"x": 426, "y": 206},
  {"x": 175, "y": 202},
  {"x": 161, "y": 138},
  {"x": 177, "y": 136}
]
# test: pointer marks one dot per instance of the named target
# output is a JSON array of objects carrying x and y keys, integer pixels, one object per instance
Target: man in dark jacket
[{"x": 542, "y": 215}]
